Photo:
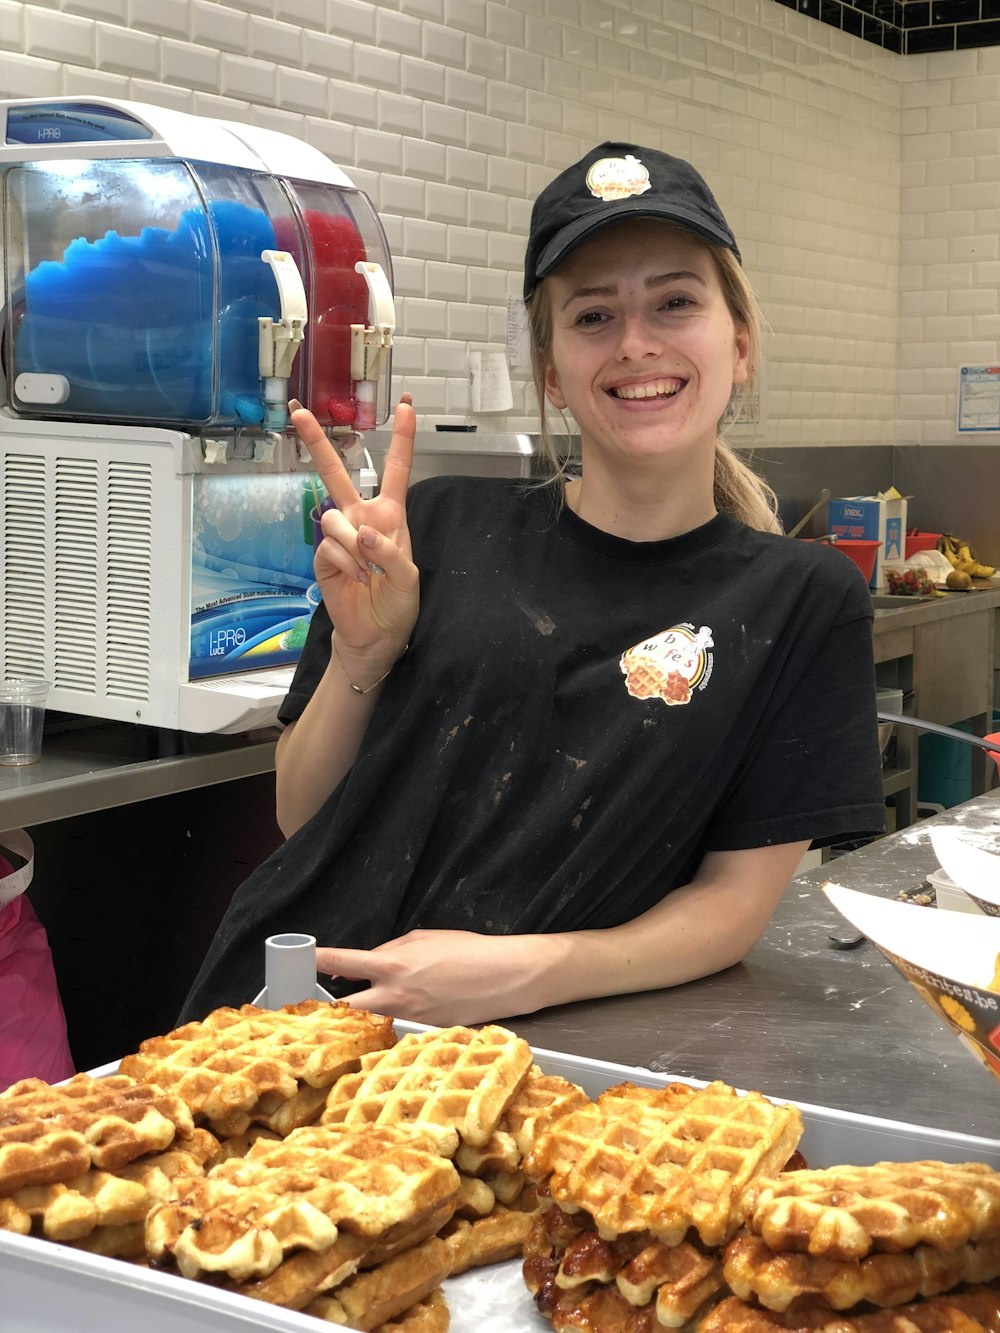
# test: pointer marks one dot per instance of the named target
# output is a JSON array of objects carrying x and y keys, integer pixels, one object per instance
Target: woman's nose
[{"x": 639, "y": 338}]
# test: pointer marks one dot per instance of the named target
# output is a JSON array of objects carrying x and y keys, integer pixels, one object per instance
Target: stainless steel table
[
  {"x": 89, "y": 765},
  {"x": 801, "y": 1019}
]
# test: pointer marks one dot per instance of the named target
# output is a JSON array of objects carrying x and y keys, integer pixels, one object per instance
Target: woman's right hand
[{"x": 373, "y": 609}]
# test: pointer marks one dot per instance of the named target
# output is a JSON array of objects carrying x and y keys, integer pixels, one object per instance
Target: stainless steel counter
[
  {"x": 801, "y": 1019},
  {"x": 88, "y": 766}
]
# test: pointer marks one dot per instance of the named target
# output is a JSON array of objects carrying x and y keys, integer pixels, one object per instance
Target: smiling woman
[{"x": 569, "y": 739}]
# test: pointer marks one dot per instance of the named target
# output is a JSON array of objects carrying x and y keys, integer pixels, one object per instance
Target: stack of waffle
[
  {"x": 339, "y": 1221},
  {"x": 242, "y": 1070},
  {"x": 888, "y": 1244},
  {"x": 83, "y": 1163},
  {"x": 646, "y": 1184},
  {"x": 482, "y": 1098}
]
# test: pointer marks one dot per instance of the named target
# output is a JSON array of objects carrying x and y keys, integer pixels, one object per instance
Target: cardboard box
[
  {"x": 951, "y": 959},
  {"x": 880, "y": 518}
]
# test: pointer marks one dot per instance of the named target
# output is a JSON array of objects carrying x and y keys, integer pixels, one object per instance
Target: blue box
[{"x": 870, "y": 518}]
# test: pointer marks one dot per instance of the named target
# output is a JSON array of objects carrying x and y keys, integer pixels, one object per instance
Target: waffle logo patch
[
  {"x": 670, "y": 665},
  {"x": 617, "y": 178}
]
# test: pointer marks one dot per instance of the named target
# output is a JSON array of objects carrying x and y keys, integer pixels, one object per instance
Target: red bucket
[{"x": 862, "y": 552}]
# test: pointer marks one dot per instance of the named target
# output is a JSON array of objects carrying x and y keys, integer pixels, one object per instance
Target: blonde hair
[{"x": 737, "y": 487}]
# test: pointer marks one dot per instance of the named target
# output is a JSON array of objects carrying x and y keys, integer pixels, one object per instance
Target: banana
[{"x": 959, "y": 554}]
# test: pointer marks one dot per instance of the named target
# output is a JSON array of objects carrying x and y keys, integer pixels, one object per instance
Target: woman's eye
[
  {"x": 590, "y": 318},
  {"x": 677, "y": 302}
]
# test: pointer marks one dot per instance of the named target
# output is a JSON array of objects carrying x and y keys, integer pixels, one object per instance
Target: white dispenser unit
[{"x": 169, "y": 282}]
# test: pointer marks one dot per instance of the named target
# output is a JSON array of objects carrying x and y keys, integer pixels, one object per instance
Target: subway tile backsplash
[{"x": 857, "y": 160}]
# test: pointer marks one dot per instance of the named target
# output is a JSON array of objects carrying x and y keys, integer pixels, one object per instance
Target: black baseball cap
[{"x": 618, "y": 180}]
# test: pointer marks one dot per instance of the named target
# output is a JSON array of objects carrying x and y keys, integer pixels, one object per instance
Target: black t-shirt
[{"x": 578, "y": 720}]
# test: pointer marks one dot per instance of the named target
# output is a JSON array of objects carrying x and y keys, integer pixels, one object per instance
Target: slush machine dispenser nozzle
[
  {"x": 370, "y": 344},
  {"x": 280, "y": 340}
]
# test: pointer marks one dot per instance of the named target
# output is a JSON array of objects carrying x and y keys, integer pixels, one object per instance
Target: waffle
[
  {"x": 665, "y": 1159},
  {"x": 246, "y": 1214},
  {"x": 379, "y": 1294},
  {"x": 976, "y": 1310},
  {"x": 848, "y": 1212},
  {"x": 53, "y": 1134},
  {"x": 243, "y": 1066},
  {"x": 458, "y": 1079},
  {"x": 71, "y": 1210},
  {"x": 636, "y": 1281},
  {"x": 487, "y": 1240},
  {"x": 540, "y": 1101},
  {"x": 752, "y": 1269},
  {"x": 430, "y": 1315}
]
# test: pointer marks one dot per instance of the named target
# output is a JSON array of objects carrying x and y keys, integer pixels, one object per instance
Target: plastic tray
[{"x": 51, "y": 1288}]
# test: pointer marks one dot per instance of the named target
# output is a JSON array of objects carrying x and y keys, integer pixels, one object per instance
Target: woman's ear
[
  {"x": 552, "y": 390},
  {"x": 741, "y": 358}
]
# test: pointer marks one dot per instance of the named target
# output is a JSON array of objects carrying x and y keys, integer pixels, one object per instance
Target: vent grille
[
  {"x": 77, "y": 538},
  {"x": 25, "y": 522},
  {"x": 130, "y": 544}
]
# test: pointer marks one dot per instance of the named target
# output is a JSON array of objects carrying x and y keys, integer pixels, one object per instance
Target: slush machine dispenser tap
[
  {"x": 280, "y": 339},
  {"x": 370, "y": 345}
]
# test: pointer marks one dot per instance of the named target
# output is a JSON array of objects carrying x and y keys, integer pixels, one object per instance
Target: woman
[{"x": 569, "y": 740}]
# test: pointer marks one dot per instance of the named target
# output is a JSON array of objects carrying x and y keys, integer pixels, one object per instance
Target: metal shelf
[{"x": 97, "y": 766}]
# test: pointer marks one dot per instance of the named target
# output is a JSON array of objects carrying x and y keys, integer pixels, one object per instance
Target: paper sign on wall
[{"x": 978, "y": 399}]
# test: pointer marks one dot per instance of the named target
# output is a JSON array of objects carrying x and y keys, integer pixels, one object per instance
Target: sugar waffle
[
  {"x": 846, "y": 1212},
  {"x": 247, "y": 1213},
  {"x": 370, "y": 1298},
  {"x": 458, "y": 1079},
  {"x": 71, "y": 1210},
  {"x": 539, "y": 1102},
  {"x": 430, "y": 1315},
  {"x": 975, "y": 1310},
  {"x": 51, "y": 1134},
  {"x": 777, "y": 1280},
  {"x": 665, "y": 1159},
  {"x": 486, "y": 1240},
  {"x": 240, "y": 1066}
]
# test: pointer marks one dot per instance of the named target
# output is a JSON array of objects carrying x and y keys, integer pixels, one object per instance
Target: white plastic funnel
[{"x": 290, "y": 972}]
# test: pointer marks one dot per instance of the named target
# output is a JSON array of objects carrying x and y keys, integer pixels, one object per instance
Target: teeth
[{"x": 656, "y": 389}]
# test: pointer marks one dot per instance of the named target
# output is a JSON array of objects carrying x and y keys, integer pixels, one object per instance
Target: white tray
[{"x": 49, "y": 1288}]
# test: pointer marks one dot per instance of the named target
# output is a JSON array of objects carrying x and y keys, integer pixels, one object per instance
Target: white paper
[
  {"x": 491, "y": 391},
  {"x": 518, "y": 337},
  {"x": 493, "y": 1300},
  {"x": 972, "y": 868}
]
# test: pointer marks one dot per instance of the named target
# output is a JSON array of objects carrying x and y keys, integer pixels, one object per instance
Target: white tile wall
[{"x": 864, "y": 187}]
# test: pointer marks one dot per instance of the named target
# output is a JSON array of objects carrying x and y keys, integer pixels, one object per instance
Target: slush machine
[{"x": 170, "y": 281}]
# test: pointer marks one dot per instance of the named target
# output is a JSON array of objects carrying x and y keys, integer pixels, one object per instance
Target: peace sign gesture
[{"x": 363, "y": 566}]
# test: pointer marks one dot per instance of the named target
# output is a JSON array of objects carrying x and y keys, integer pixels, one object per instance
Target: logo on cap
[{"x": 617, "y": 178}]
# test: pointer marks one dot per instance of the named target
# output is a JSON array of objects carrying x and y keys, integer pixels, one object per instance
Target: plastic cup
[{"x": 22, "y": 715}]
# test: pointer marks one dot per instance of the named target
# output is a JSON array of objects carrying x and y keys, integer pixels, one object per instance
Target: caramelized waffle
[
  {"x": 459, "y": 1080},
  {"x": 777, "y": 1280},
  {"x": 53, "y": 1134},
  {"x": 633, "y": 1281},
  {"x": 665, "y": 1159},
  {"x": 847, "y": 1212},
  {"x": 246, "y": 1066},
  {"x": 975, "y": 1310}
]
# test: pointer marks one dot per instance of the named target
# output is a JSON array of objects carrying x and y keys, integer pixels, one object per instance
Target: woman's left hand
[{"x": 444, "y": 977}]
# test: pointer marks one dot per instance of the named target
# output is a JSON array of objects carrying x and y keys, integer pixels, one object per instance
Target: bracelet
[{"x": 368, "y": 688}]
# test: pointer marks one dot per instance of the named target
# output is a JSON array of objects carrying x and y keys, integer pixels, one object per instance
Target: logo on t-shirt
[{"x": 670, "y": 665}]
